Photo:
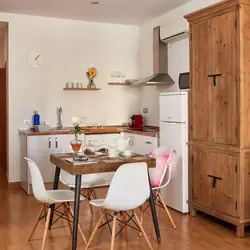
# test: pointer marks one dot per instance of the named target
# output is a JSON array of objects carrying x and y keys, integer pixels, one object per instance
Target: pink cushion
[{"x": 157, "y": 174}]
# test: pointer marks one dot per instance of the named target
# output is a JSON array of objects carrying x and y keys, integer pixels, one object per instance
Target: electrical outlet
[
  {"x": 145, "y": 110},
  {"x": 26, "y": 122}
]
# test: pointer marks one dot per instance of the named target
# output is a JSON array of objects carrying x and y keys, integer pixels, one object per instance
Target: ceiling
[{"x": 112, "y": 11}]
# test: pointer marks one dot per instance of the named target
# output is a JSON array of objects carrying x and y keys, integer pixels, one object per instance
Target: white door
[
  {"x": 173, "y": 135},
  {"x": 172, "y": 108},
  {"x": 39, "y": 150}
]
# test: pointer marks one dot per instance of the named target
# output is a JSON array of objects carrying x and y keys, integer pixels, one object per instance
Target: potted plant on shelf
[
  {"x": 76, "y": 143},
  {"x": 91, "y": 74}
]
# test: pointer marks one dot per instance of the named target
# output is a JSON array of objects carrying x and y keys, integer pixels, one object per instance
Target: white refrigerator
[{"x": 174, "y": 134}]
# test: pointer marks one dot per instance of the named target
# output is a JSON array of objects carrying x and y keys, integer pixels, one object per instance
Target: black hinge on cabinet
[
  {"x": 235, "y": 23},
  {"x": 236, "y": 168},
  {"x": 190, "y": 36},
  {"x": 236, "y": 205}
]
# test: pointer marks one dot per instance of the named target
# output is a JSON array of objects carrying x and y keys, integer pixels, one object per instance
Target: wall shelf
[
  {"x": 119, "y": 83},
  {"x": 86, "y": 89}
]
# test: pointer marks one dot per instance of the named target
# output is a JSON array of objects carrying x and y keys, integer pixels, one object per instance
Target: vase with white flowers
[{"x": 76, "y": 143}]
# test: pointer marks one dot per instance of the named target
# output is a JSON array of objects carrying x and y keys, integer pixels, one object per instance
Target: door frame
[{"x": 7, "y": 100}]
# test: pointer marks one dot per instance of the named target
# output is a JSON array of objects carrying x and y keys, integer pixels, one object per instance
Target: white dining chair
[
  {"x": 128, "y": 190},
  {"x": 88, "y": 182},
  {"x": 160, "y": 176},
  {"x": 47, "y": 197}
]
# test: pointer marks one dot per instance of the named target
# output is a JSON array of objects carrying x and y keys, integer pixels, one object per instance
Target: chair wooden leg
[
  {"x": 79, "y": 228},
  {"x": 143, "y": 231},
  {"x": 113, "y": 233},
  {"x": 46, "y": 228},
  {"x": 165, "y": 207},
  {"x": 95, "y": 230},
  {"x": 88, "y": 196},
  {"x": 125, "y": 228},
  {"x": 141, "y": 216},
  {"x": 91, "y": 208},
  {"x": 37, "y": 221},
  {"x": 68, "y": 217}
]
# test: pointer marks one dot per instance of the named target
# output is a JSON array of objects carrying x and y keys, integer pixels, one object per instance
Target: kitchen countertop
[{"x": 147, "y": 131}]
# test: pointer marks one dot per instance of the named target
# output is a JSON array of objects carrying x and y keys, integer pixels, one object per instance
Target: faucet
[{"x": 59, "y": 118}]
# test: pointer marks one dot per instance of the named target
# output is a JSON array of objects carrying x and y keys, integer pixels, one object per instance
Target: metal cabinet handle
[
  {"x": 49, "y": 142},
  {"x": 56, "y": 142},
  {"x": 148, "y": 142}
]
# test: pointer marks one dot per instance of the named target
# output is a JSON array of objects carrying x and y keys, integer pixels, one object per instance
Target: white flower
[{"x": 75, "y": 120}]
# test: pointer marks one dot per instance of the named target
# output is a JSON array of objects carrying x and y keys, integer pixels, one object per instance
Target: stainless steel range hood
[{"x": 160, "y": 64}]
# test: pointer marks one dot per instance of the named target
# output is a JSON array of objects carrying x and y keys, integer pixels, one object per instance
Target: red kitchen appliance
[{"x": 136, "y": 122}]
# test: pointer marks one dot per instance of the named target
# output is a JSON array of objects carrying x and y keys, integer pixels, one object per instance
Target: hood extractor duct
[{"x": 160, "y": 64}]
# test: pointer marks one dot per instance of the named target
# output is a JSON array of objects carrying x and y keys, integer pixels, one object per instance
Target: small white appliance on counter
[{"x": 174, "y": 134}]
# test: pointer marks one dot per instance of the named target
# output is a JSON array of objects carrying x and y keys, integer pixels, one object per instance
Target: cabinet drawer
[{"x": 145, "y": 144}]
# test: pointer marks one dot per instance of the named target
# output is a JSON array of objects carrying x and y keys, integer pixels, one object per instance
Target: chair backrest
[
  {"x": 37, "y": 182},
  {"x": 65, "y": 177},
  {"x": 129, "y": 187},
  {"x": 165, "y": 166}
]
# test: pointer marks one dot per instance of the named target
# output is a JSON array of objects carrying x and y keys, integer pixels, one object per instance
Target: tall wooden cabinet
[{"x": 219, "y": 146}]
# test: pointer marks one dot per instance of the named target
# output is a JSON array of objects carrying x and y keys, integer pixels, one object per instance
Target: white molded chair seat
[
  {"x": 88, "y": 180},
  {"x": 128, "y": 190},
  {"x": 161, "y": 175},
  {"x": 48, "y": 197},
  {"x": 97, "y": 202},
  {"x": 59, "y": 196}
]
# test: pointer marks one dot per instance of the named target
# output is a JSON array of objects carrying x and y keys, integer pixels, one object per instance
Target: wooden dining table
[{"x": 101, "y": 164}]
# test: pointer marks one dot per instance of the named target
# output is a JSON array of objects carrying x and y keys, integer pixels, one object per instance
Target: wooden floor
[{"x": 18, "y": 213}]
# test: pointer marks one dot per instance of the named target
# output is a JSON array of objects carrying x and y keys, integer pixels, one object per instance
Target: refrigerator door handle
[{"x": 171, "y": 123}]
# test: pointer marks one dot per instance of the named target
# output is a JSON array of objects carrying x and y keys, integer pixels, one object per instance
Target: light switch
[
  {"x": 145, "y": 110},
  {"x": 26, "y": 122}
]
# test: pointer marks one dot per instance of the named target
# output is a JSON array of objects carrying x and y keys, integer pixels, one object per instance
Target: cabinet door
[
  {"x": 225, "y": 168},
  {"x": 200, "y": 101},
  {"x": 39, "y": 150},
  {"x": 61, "y": 143},
  {"x": 224, "y": 94},
  {"x": 201, "y": 182},
  {"x": 143, "y": 145}
]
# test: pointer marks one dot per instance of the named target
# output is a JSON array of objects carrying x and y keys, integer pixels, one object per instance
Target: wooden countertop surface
[{"x": 91, "y": 130}]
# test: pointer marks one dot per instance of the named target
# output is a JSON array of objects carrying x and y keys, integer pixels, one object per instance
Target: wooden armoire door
[
  {"x": 201, "y": 169},
  {"x": 225, "y": 189},
  {"x": 200, "y": 101},
  {"x": 223, "y": 78}
]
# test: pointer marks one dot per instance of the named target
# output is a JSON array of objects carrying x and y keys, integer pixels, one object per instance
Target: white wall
[
  {"x": 68, "y": 48},
  {"x": 178, "y": 58}
]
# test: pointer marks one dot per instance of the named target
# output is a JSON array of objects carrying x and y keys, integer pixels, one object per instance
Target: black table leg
[
  {"x": 153, "y": 211},
  {"x": 55, "y": 186},
  {"x": 76, "y": 210}
]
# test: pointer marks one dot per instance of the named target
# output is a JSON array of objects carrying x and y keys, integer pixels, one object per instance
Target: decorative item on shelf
[
  {"x": 91, "y": 74},
  {"x": 76, "y": 143}
]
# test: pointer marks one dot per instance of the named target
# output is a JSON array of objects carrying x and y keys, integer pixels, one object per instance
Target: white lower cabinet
[
  {"x": 141, "y": 144},
  {"x": 101, "y": 139},
  {"x": 38, "y": 148}
]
